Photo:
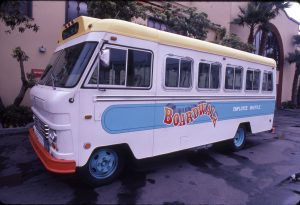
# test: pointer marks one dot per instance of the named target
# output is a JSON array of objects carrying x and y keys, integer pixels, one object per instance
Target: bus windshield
[{"x": 67, "y": 65}]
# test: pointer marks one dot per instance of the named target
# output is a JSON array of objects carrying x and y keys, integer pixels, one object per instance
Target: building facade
[{"x": 51, "y": 15}]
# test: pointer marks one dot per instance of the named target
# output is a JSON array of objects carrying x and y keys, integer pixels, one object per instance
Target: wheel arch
[{"x": 246, "y": 126}]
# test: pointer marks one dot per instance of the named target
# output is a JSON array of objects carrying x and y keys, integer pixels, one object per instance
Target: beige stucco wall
[
  {"x": 218, "y": 12},
  {"x": 287, "y": 29},
  {"x": 50, "y": 16}
]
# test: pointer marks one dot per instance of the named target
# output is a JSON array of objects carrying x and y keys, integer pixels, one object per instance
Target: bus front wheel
[{"x": 104, "y": 165}]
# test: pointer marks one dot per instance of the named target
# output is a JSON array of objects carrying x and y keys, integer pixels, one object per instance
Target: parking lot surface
[{"x": 258, "y": 174}]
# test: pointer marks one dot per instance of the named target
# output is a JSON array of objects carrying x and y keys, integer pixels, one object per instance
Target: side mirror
[{"x": 104, "y": 57}]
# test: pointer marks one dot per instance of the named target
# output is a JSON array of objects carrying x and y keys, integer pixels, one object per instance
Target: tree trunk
[
  {"x": 24, "y": 87},
  {"x": 263, "y": 42},
  {"x": 295, "y": 85},
  {"x": 21, "y": 95},
  {"x": 23, "y": 78},
  {"x": 1, "y": 105},
  {"x": 298, "y": 99},
  {"x": 251, "y": 35}
]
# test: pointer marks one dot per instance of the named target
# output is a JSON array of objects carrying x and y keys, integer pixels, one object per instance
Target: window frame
[
  {"x": 242, "y": 82},
  {"x": 259, "y": 85},
  {"x": 164, "y": 72},
  {"x": 107, "y": 86},
  {"x": 267, "y": 91},
  {"x": 220, "y": 76}
]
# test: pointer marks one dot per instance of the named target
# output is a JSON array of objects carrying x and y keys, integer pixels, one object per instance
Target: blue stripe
[{"x": 138, "y": 117}]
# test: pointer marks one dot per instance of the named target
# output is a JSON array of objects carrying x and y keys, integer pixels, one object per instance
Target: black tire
[{"x": 103, "y": 167}]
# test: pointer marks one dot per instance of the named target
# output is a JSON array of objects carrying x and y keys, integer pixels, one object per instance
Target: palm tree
[
  {"x": 271, "y": 11},
  {"x": 295, "y": 58},
  {"x": 259, "y": 14},
  {"x": 251, "y": 17}
]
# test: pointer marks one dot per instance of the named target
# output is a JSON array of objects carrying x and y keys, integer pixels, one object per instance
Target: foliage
[
  {"x": 249, "y": 16},
  {"x": 258, "y": 14},
  {"x": 288, "y": 105},
  {"x": 271, "y": 11},
  {"x": 184, "y": 21},
  {"x": 12, "y": 17},
  {"x": 125, "y": 10},
  {"x": 28, "y": 80},
  {"x": 234, "y": 41},
  {"x": 16, "y": 116}
]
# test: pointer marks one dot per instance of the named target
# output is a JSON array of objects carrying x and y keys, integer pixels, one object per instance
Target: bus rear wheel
[
  {"x": 239, "y": 140},
  {"x": 104, "y": 165}
]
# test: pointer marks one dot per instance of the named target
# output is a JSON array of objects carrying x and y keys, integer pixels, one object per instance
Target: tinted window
[
  {"x": 178, "y": 73},
  {"x": 229, "y": 77},
  {"x": 214, "y": 78},
  {"x": 270, "y": 81},
  {"x": 139, "y": 68},
  {"x": 203, "y": 75},
  {"x": 256, "y": 80},
  {"x": 185, "y": 73},
  {"x": 252, "y": 80},
  {"x": 267, "y": 84},
  {"x": 172, "y": 72},
  {"x": 67, "y": 65},
  {"x": 233, "y": 78},
  {"x": 114, "y": 73},
  {"x": 132, "y": 65}
]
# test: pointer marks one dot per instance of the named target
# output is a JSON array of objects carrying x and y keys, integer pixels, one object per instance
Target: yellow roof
[{"x": 88, "y": 24}]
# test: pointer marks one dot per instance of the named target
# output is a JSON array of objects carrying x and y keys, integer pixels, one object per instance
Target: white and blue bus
[{"x": 114, "y": 88}]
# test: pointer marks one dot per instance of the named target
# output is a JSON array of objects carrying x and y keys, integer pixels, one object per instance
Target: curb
[{"x": 17, "y": 130}]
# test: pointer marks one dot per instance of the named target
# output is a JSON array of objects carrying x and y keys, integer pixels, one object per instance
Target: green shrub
[
  {"x": 16, "y": 116},
  {"x": 288, "y": 105}
]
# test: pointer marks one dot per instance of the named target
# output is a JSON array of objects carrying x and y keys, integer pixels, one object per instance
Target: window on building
[
  {"x": 75, "y": 9},
  {"x": 267, "y": 84},
  {"x": 252, "y": 79},
  {"x": 209, "y": 75},
  {"x": 233, "y": 78},
  {"x": 178, "y": 73},
  {"x": 156, "y": 23},
  {"x": 127, "y": 67}
]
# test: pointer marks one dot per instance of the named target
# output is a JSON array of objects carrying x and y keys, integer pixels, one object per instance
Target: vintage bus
[{"x": 114, "y": 88}]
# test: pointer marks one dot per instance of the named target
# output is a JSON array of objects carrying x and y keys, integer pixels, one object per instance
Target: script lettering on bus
[
  {"x": 185, "y": 116},
  {"x": 245, "y": 108}
]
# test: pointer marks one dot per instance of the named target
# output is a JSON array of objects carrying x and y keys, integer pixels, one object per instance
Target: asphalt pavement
[{"x": 259, "y": 174}]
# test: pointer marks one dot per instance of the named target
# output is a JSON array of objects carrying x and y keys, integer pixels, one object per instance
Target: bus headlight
[{"x": 53, "y": 139}]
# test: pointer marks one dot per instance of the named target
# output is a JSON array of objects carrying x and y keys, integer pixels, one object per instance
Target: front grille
[{"x": 41, "y": 127}]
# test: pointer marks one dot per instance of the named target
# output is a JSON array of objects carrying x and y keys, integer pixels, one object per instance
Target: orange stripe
[{"x": 52, "y": 164}]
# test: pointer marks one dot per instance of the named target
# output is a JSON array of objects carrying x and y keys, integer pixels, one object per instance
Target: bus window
[
  {"x": 114, "y": 73},
  {"x": 178, "y": 73},
  {"x": 139, "y": 68},
  {"x": 270, "y": 81},
  {"x": 185, "y": 73},
  {"x": 256, "y": 81},
  {"x": 267, "y": 84},
  {"x": 252, "y": 79},
  {"x": 233, "y": 78},
  {"x": 267, "y": 81},
  {"x": 127, "y": 68},
  {"x": 172, "y": 72},
  {"x": 209, "y": 75},
  {"x": 203, "y": 75}
]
